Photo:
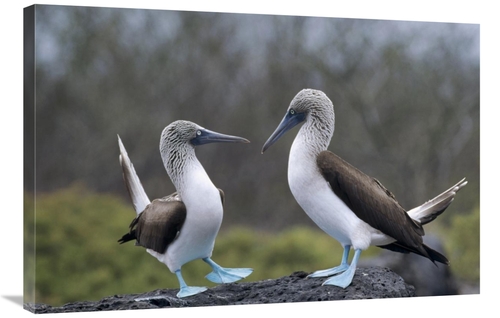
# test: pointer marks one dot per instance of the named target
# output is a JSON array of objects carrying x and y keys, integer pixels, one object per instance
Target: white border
[{"x": 11, "y": 143}]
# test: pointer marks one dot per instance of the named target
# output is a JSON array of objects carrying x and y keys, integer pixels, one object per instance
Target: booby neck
[{"x": 179, "y": 159}]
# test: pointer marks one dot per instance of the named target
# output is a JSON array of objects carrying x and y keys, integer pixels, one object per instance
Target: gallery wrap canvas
[{"x": 406, "y": 100}]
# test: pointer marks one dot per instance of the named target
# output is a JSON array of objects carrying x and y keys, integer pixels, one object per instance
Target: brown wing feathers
[
  {"x": 158, "y": 225},
  {"x": 375, "y": 205}
]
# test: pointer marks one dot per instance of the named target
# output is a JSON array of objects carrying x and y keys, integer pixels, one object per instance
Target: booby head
[
  {"x": 185, "y": 133},
  {"x": 312, "y": 107},
  {"x": 178, "y": 141}
]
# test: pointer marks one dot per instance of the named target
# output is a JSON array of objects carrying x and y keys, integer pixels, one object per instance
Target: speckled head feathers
[
  {"x": 320, "y": 117},
  {"x": 310, "y": 99}
]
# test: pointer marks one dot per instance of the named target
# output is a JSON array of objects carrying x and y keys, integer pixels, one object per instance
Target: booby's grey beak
[
  {"x": 291, "y": 119},
  {"x": 205, "y": 136}
]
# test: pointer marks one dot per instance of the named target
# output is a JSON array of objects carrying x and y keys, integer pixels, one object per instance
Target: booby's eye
[
  {"x": 198, "y": 132},
  {"x": 292, "y": 112}
]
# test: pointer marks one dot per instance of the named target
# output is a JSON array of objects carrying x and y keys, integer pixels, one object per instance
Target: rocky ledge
[{"x": 368, "y": 283}]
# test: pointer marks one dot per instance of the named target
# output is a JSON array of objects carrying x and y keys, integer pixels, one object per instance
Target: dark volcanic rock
[
  {"x": 368, "y": 283},
  {"x": 429, "y": 279}
]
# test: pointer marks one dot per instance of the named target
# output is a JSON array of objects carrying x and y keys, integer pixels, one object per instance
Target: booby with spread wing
[
  {"x": 355, "y": 209},
  {"x": 181, "y": 227}
]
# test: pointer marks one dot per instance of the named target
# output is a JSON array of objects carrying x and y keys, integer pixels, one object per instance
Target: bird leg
[
  {"x": 335, "y": 270},
  {"x": 221, "y": 275},
  {"x": 343, "y": 280},
  {"x": 186, "y": 290}
]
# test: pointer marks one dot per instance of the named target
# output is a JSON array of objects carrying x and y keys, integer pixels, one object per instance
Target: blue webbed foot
[
  {"x": 335, "y": 270},
  {"x": 185, "y": 290},
  {"x": 190, "y": 291},
  {"x": 343, "y": 280},
  {"x": 222, "y": 275},
  {"x": 329, "y": 272},
  {"x": 228, "y": 275}
]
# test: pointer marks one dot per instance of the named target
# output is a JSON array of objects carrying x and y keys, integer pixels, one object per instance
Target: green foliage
[
  {"x": 462, "y": 244},
  {"x": 77, "y": 254},
  {"x": 29, "y": 250},
  {"x": 276, "y": 255},
  {"x": 78, "y": 257}
]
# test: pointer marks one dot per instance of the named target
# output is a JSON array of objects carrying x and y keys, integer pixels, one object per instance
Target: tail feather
[
  {"x": 424, "y": 251},
  {"x": 435, "y": 256},
  {"x": 431, "y": 209},
  {"x": 134, "y": 186},
  {"x": 127, "y": 237}
]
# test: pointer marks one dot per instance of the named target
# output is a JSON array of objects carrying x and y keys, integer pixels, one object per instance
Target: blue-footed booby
[
  {"x": 352, "y": 207},
  {"x": 181, "y": 227}
]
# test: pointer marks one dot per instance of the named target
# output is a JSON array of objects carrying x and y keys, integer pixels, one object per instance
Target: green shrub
[
  {"x": 462, "y": 244},
  {"x": 78, "y": 257},
  {"x": 77, "y": 254}
]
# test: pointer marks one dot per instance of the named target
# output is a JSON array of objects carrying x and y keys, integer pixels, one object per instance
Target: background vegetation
[
  {"x": 406, "y": 97},
  {"x": 78, "y": 257}
]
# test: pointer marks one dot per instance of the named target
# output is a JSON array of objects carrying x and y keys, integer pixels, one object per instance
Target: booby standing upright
[
  {"x": 355, "y": 209},
  {"x": 181, "y": 227}
]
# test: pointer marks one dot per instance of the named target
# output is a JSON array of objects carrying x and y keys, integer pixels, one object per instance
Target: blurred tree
[{"x": 406, "y": 96}]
